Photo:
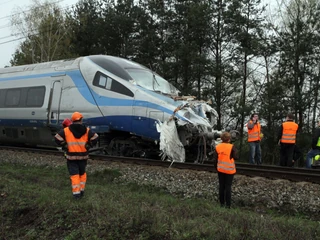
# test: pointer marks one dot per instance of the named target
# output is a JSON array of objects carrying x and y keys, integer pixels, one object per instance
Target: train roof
[
  {"x": 115, "y": 65},
  {"x": 55, "y": 65}
]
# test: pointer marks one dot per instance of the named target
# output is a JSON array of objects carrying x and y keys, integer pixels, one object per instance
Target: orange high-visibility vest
[
  {"x": 76, "y": 145},
  {"x": 225, "y": 164},
  {"x": 289, "y": 131},
  {"x": 254, "y": 133}
]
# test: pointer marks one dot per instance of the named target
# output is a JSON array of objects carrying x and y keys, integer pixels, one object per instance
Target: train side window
[
  {"x": 35, "y": 96},
  {"x": 12, "y": 97},
  {"x": 2, "y": 97}
]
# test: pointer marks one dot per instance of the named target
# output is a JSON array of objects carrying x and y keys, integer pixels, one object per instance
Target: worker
[
  {"x": 286, "y": 140},
  {"x": 66, "y": 122},
  {"x": 254, "y": 138},
  {"x": 224, "y": 156},
  {"x": 315, "y": 146},
  {"x": 77, "y": 139}
]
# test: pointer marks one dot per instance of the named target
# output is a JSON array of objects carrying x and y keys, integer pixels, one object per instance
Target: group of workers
[
  {"x": 225, "y": 153},
  {"x": 76, "y": 139},
  {"x": 289, "y": 151}
]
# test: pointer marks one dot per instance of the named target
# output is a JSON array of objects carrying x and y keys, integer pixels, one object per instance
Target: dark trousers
[
  {"x": 76, "y": 167},
  {"x": 78, "y": 176},
  {"x": 286, "y": 154},
  {"x": 225, "y": 182}
]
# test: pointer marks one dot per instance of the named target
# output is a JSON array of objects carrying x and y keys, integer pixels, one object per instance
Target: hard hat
[
  {"x": 317, "y": 157},
  {"x": 66, "y": 122},
  {"x": 76, "y": 116}
]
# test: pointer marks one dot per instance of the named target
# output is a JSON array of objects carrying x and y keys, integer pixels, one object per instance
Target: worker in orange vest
[
  {"x": 254, "y": 138},
  {"x": 287, "y": 140},
  {"x": 77, "y": 139},
  {"x": 66, "y": 122},
  {"x": 315, "y": 146},
  {"x": 224, "y": 156}
]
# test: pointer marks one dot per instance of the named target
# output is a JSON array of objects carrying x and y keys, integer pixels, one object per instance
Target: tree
[
  {"x": 86, "y": 28},
  {"x": 43, "y": 27},
  {"x": 298, "y": 40},
  {"x": 246, "y": 26}
]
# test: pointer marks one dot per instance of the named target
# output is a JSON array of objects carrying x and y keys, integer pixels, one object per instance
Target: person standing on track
[
  {"x": 77, "y": 139},
  {"x": 315, "y": 146},
  {"x": 254, "y": 138},
  {"x": 287, "y": 140},
  {"x": 224, "y": 156}
]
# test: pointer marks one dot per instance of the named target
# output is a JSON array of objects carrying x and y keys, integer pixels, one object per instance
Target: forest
[{"x": 239, "y": 55}]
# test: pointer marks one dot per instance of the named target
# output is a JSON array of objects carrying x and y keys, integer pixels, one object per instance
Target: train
[{"x": 132, "y": 108}]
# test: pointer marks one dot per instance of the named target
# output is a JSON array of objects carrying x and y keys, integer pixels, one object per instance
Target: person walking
[
  {"x": 287, "y": 141},
  {"x": 224, "y": 156},
  {"x": 77, "y": 139},
  {"x": 315, "y": 146},
  {"x": 254, "y": 138}
]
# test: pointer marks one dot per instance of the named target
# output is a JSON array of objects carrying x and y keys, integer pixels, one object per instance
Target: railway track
[{"x": 267, "y": 171}]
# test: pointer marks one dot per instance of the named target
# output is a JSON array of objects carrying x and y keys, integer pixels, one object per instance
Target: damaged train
[{"x": 134, "y": 110}]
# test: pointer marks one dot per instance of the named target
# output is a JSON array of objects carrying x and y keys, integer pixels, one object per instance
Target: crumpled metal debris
[{"x": 170, "y": 145}]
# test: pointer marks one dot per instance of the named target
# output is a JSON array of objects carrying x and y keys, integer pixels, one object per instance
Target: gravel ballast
[{"x": 259, "y": 194}]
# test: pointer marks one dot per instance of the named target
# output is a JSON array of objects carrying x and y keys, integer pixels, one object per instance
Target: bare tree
[{"x": 43, "y": 27}]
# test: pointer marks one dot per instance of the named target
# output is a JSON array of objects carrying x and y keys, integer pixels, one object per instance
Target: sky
[{"x": 8, "y": 43}]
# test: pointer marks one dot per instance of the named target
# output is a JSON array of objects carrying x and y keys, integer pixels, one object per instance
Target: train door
[
  {"x": 139, "y": 116},
  {"x": 54, "y": 103}
]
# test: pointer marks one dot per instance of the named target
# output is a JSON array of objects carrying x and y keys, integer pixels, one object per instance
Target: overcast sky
[{"x": 8, "y": 43}]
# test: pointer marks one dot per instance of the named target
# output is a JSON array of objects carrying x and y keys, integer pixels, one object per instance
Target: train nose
[{"x": 192, "y": 117}]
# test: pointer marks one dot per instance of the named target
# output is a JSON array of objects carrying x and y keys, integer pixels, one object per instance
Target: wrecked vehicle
[{"x": 134, "y": 110}]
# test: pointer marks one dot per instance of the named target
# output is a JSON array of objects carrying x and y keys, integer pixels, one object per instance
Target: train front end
[{"x": 186, "y": 130}]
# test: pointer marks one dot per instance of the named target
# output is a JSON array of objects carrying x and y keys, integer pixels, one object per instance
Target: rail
[{"x": 267, "y": 171}]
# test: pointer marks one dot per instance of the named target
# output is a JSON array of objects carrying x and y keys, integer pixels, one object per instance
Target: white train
[{"x": 121, "y": 100}]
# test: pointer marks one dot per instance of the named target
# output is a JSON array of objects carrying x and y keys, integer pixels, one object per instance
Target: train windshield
[{"x": 152, "y": 81}]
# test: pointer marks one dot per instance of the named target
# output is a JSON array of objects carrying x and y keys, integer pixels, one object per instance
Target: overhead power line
[
  {"x": 28, "y": 10},
  {"x": 19, "y": 38},
  {"x": 13, "y": 40}
]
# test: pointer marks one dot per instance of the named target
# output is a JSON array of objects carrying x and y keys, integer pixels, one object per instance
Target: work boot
[{"x": 77, "y": 196}]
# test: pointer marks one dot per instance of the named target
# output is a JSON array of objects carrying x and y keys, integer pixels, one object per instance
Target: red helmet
[
  {"x": 66, "y": 123},
  {"x": 76, "y": 116}
]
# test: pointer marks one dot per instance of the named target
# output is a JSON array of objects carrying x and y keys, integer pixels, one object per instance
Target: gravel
[{"x": 259, "y": 194}]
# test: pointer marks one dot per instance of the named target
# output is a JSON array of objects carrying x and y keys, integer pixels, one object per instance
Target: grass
[{"x": 36, "y": 203}]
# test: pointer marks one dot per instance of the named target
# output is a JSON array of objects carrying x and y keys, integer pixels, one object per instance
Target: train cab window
[
  {"x": 12, "y": 97},
  {"x": 35, "y": 96},
  {"x": 103, "y": 81}
]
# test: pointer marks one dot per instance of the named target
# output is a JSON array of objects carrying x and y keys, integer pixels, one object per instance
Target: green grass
[{"x": 36, "y": 203}]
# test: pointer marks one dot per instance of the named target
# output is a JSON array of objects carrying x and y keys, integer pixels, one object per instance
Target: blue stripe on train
[
  {"x": 83, "y": 88},
  {"x": 144, "y": 128}
]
